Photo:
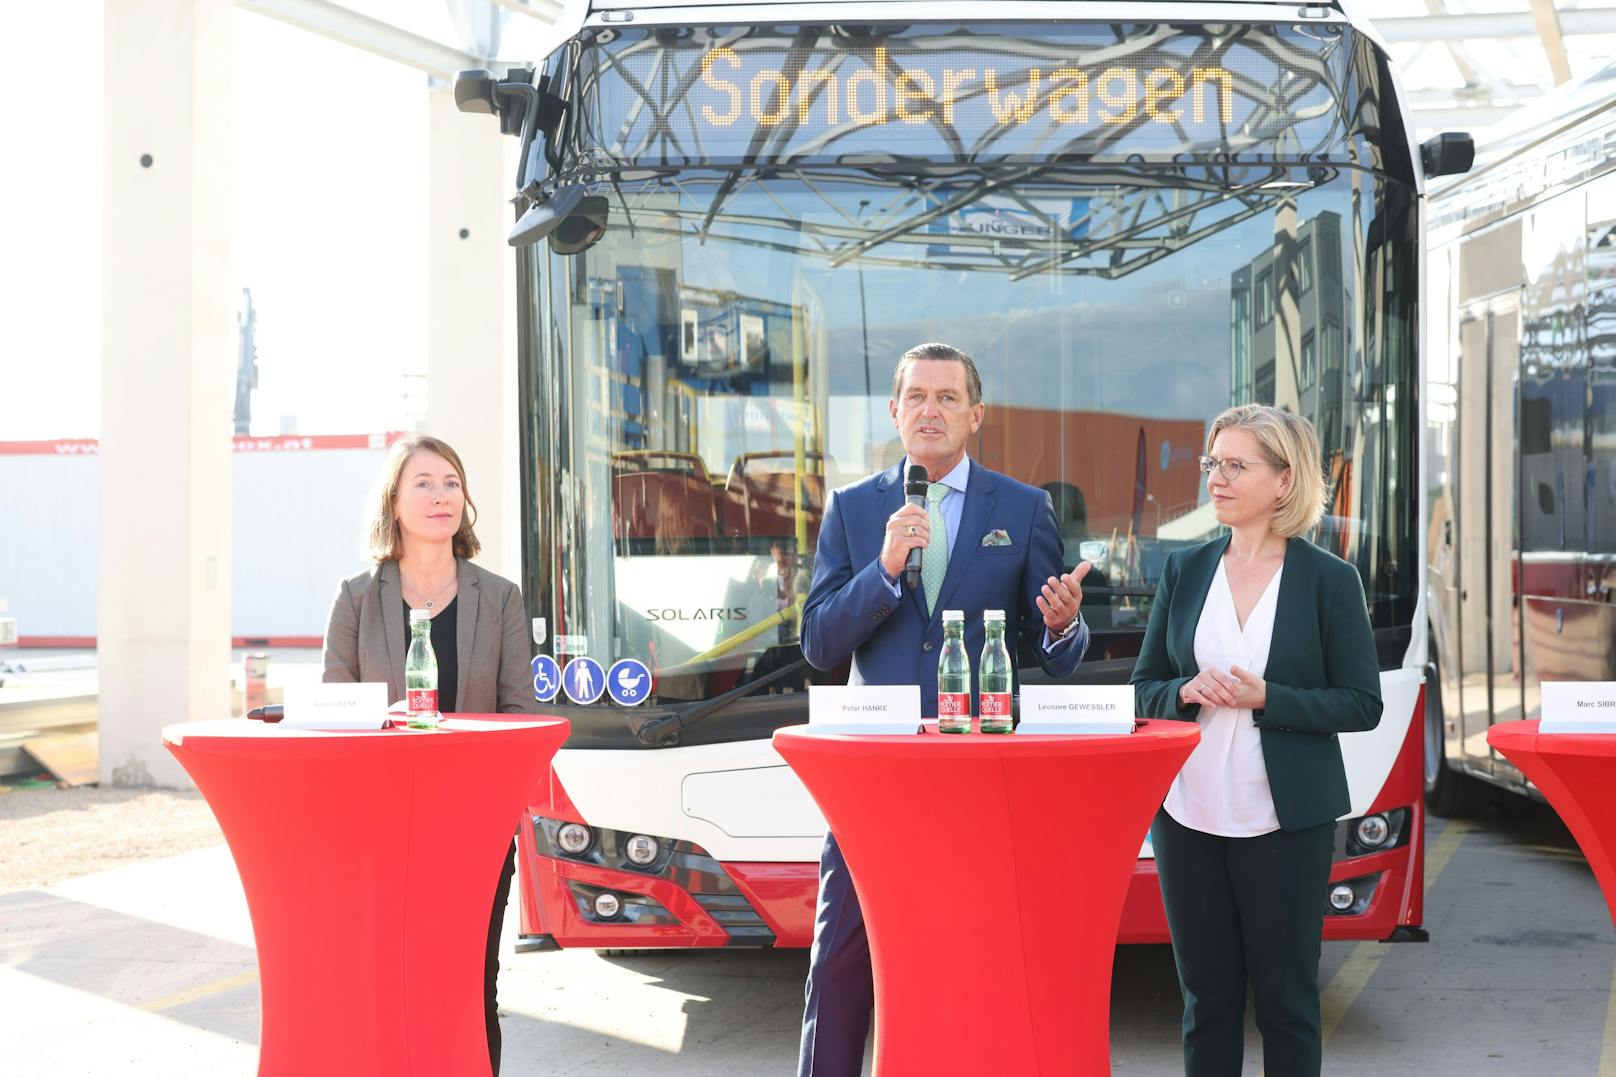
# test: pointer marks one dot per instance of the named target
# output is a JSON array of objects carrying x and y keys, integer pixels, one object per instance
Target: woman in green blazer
[{"x": 1264, "y": 639}]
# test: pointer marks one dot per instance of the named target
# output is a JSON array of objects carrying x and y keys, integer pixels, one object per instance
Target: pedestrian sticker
[
  {"x": 546, "y": 678},
  {"x": 584, "y": 680},
  {"x": 629, "y": 682}
]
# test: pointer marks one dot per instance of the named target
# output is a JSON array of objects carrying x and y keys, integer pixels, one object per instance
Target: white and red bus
[
  {"x": 1521, "y": 368},
  {"x": 734, "y": 217}
]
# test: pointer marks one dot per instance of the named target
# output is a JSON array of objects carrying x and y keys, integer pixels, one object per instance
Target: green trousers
[{"x": 1246, "y": 910}]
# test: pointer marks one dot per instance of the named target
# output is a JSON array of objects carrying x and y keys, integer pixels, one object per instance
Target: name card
[
  {"x": 1578, "y": 707},
  {"x": 864, "y": 708},
  {"x": 335, "y": 706},
  {"x": 1076, "y": 708}
]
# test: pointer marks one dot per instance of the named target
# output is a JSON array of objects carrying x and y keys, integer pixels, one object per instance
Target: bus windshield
[{"x": 717, "y": 356}]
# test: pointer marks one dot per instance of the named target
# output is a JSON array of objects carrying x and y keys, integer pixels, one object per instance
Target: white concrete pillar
[
  {"x": 164, "y": 621},
  {"x": 471, "y": 372}
]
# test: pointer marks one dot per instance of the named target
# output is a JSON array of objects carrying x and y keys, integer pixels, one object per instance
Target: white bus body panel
[
  {"x": 741, "y": 802},
  {"x": 1370, "y": 756}
]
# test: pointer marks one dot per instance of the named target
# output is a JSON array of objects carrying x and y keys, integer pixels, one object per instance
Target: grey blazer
[{"x": 364, "y": 639}]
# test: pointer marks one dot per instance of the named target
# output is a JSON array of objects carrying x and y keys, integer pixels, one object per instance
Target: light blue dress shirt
[{"x": 952, "y": 507}]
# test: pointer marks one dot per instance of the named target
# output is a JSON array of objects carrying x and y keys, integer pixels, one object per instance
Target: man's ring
[{"x": 911, "y": 530}]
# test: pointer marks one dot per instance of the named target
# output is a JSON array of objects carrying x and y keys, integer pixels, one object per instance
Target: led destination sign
[
  {"x": 886, "y": 93},
  {"x": 949, "y": 92}
]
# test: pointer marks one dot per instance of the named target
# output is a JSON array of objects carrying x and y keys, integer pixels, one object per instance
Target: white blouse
[{"x": 1223, "y": 787}]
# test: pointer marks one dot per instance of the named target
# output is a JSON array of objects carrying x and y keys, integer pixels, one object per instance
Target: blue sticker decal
[
  {"x": 629, "y": 682},
  {"x": 546, "y": 678},
  {"x": 583, "y": 680}
]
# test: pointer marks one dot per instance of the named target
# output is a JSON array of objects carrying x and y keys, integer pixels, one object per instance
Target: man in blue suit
[{"x": 989, "y": 542}]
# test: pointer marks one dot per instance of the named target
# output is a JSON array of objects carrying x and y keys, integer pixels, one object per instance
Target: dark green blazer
[{"x": 1323, "y": 676}]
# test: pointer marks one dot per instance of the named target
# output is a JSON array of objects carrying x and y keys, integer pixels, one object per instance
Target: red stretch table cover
[
  {"x": 991, "y": 871},
  {"x": 369, "y": 861},
  {"x": 1577, "y": 772}
]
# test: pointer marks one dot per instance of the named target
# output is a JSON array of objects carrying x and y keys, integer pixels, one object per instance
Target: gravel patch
[{"x": 48, "y": 835}]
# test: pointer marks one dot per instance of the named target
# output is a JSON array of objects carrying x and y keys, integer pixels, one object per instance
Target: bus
[
  {"x": 1521, "y": 432},
  {"x": 732, "y": 219}
]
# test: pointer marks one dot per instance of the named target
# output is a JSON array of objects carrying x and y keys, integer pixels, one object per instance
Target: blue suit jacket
[{"x": 851, "y": 612}]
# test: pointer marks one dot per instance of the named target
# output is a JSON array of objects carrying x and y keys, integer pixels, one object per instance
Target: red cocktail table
[
  {"x": 1577, "y": 772},
  {"x": 369, "y": 861},
  {"x": 991, "y": 871}
]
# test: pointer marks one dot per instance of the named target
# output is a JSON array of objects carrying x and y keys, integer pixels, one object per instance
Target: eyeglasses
[{"x": 1231, "y": 469}]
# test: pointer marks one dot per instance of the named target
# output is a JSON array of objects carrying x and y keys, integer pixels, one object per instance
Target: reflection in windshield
[{"x": 722, "y": 358}]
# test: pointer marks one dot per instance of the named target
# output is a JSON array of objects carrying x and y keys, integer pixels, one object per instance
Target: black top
[{"x": 443, "y": 648}]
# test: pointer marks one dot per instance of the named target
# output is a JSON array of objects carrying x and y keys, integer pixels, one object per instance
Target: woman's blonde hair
[
  {"x": 384, "y": 537},
  {"x": 1289, "y": 441}
]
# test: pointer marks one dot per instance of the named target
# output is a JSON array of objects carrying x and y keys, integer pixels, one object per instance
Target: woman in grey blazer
[{"x": 421, "y": 538}]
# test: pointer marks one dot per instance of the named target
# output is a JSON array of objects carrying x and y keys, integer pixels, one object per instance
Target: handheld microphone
[{"x": 914, "y": 493}]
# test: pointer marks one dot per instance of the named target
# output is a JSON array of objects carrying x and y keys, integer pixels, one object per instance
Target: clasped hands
[{"x": 1239, "y": 689}]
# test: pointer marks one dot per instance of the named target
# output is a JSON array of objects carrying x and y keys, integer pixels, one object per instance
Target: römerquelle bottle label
[
  {"x": 995, "y": 705},
  {"x": 953, "y": 704}
]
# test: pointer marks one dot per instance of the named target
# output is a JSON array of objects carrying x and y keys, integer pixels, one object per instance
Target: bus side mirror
[
  {"x": 583, "y": 227},
  {"x": 1449, "y": 154},
  {"x": 474, "y": 92}
]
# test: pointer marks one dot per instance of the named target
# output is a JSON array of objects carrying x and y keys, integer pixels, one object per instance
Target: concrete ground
[{"x": 148, "y": 968}]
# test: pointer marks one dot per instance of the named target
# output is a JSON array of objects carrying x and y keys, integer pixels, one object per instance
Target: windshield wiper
[{"x": 663, "y": 731}]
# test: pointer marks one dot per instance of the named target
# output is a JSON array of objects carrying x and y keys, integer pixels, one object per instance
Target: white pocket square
[{"x": 996, "y": 537}]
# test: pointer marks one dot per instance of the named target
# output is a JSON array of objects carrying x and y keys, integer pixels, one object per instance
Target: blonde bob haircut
[
  {"x": 1288, "y": 441},
  {"x": 384, "y": 538}
]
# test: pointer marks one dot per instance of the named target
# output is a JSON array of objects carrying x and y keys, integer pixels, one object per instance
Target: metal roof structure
[{"x": 1466, "y": 64}]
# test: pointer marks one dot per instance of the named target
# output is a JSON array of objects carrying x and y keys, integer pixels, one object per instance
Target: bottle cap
[
  {"x": 953, "y": 615},
  {"x": 420, "y": 615},
  {"x": 992, "y": 615}
]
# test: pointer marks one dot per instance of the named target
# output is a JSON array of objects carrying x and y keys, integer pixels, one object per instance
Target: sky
[{"x": 323, "y": 203}]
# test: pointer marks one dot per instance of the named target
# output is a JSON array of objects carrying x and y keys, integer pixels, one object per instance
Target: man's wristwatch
[{"x": 1070, "y": 627}]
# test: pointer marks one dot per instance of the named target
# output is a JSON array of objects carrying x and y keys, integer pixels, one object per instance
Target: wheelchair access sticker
[{"x": 546, "y": 678}]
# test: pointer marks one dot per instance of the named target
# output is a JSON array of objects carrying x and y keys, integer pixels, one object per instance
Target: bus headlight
[
  {"x": 641, "y": 849},
  {"x": 1342, "y": 897},
  {"x": 573, "y": 838},
  {"x": 1373, "y": 831},
  {"x": 607, "y": 905},
  {"x": 1376, "y": 832}
]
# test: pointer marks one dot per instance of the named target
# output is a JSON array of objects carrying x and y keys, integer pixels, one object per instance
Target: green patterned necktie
[{"x": 934, "y": 559}]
